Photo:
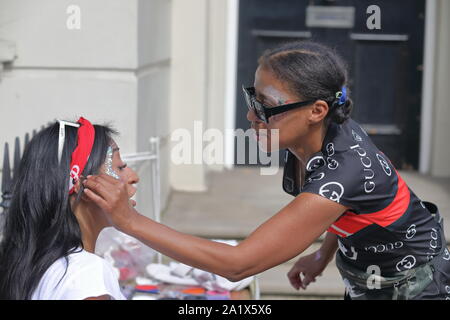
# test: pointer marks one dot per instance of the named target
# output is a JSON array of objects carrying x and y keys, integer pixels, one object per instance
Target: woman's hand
[
  {"x": 111, "y": 196},
  {"x": 309, "y": 267}
]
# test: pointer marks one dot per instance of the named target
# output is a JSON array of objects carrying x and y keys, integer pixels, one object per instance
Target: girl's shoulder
[
  {"x": 78, "y": 276},
  {"x": 82, "y": 259}
]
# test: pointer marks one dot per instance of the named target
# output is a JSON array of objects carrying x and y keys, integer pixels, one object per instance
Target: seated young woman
[{"x": 48, "y": 244}]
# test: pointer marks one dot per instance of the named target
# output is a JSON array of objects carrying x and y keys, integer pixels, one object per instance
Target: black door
[{"x": 384, "y": 65}]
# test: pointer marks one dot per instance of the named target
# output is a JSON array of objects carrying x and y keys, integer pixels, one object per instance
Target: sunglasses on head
[
  {"x": 62, "y": 135},
  {"x": 264, "y": 112}
]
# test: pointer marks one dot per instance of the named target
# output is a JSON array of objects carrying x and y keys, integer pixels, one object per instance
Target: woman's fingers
[
  {"x": 296, "y": 282},
  {"x": 101, "y": 185},
  {"x": 96, "y": 199},
  {"x": 295, "y": 278},
  {"x": 308, "y": 279},
  {"x": 93, "y": 183}
]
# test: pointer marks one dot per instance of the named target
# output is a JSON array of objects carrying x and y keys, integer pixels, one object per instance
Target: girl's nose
[{"x": 133, "y": 177}]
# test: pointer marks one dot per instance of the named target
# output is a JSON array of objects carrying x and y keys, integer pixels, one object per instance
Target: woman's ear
[{"x": 319, "y": 111}]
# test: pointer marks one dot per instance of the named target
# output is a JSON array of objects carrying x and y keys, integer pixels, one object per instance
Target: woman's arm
[
  {"x": 328, "y": 248},
  {"x": 307, "y": 268},
  {"x": 287, "y": 234}
]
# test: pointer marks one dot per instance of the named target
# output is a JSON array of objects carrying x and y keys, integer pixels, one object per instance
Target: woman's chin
[{"x": 265, "y": 145}]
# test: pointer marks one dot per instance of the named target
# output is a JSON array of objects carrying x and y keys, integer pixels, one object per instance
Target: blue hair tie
[{"x": 342, "y": 95}]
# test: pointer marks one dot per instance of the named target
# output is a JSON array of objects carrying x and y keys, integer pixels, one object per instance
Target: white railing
[{"x": 152, "y": 156}]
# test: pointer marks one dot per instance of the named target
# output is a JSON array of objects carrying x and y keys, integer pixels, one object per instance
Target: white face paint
[
  {"x": 274, "y": 97},
  {"x": 108, "y": 164}
]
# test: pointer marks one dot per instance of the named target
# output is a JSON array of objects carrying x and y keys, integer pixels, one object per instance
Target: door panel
[{"x": 384, "y": 65}]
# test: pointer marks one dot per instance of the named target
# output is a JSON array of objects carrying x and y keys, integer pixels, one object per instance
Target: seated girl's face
[{"x": 118, "y": 169}]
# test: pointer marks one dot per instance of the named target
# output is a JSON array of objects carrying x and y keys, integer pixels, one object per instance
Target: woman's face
[
  {"x": 292, "y": 125},
  {"x": 123, "y": 172}
]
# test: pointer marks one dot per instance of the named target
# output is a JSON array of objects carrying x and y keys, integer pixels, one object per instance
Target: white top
[{"x": 88, "y": 275}]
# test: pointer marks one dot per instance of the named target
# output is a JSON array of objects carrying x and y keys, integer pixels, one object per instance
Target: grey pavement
[{"x": 239, "y": 200}]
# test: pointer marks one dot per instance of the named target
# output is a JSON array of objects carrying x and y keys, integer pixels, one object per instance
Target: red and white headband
[{"x": 80, "y": 156}]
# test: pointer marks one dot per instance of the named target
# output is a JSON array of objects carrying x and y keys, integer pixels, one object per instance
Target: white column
[
  {"x": 152, "y": 76},
  {"x": 217, "y": 51},
  {"x": 189, "y": 83},
  {"x": 441, "y": 135},
  {"x": 426, "y": 117}
]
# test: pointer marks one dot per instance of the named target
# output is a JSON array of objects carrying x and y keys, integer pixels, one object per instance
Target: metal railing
[
  {"x": 10, "y": 173},
  {"x": 153, "y": 156}
]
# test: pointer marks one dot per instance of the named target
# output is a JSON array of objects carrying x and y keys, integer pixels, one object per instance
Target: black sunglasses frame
[{"x": 264, "y": 112}]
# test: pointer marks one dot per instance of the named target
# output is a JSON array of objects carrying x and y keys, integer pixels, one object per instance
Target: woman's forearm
[
  {"x": 215, "y": 257},
  {"x": 329, "y": 247}
]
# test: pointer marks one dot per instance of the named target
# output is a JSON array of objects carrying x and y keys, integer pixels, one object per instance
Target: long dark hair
[
  {"x": 313, "y": 71},
  {"x": 40, "y": 226}
]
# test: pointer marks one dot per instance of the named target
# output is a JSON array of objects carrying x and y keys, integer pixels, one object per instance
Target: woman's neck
[
  {"x": 90, "y": 226},
  {"x": 314, "y": 141}
]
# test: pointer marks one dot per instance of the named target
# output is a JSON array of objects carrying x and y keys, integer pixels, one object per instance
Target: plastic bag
[{"x": 125, "y": 253}]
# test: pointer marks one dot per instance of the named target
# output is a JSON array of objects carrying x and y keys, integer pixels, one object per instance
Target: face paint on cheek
[
  {"x": 275, "y": 95},
  {"x": 108, "y": 164}
]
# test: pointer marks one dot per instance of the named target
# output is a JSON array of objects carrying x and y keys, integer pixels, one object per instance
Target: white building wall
[
  {"x": 153, "y": 77},
  {"x": 188, "y": 85},
  {"x": 198, "y": 81},
  {"x": 114, "y": 69},
  {"x": 441, "y": 122},
  {"x": 217, "y": 51}
]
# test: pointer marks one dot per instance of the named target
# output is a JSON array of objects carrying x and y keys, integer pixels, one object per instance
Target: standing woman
[{"x": 391, "y": 244}]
